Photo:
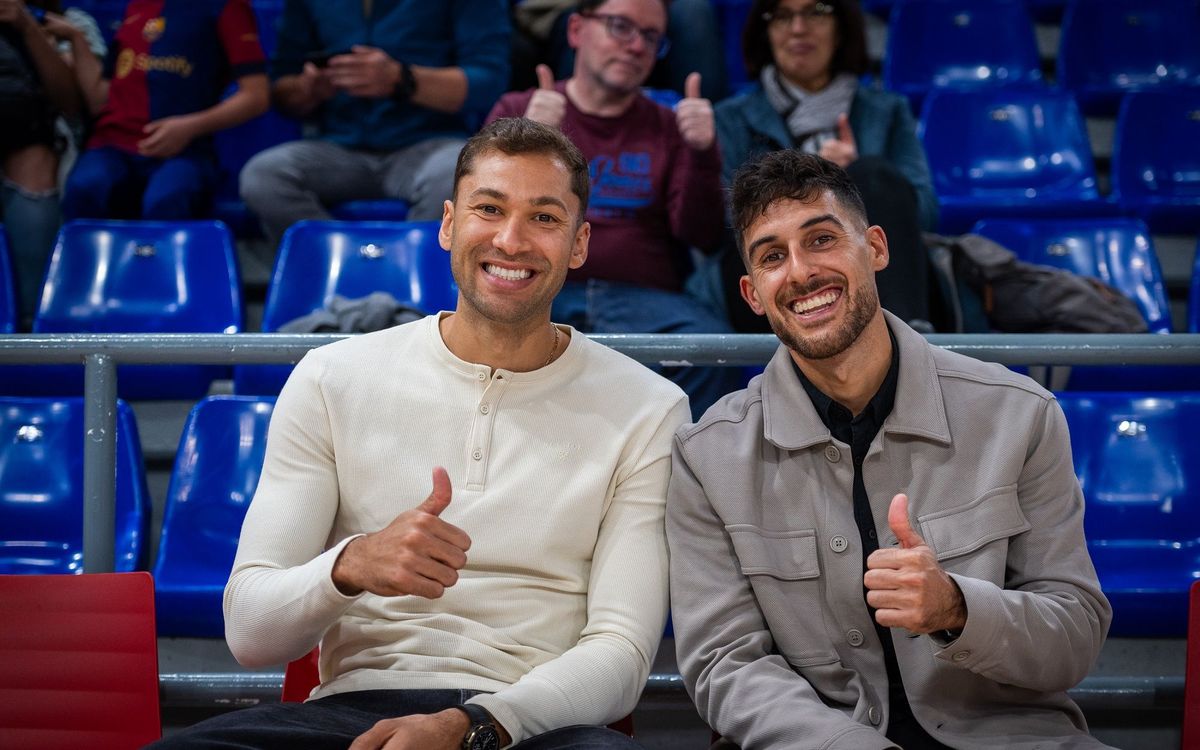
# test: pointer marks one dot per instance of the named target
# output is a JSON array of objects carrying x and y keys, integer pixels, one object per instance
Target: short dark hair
[
  {"x": 849, "y": 57},
  {"x": 587, "y": 6},
  {"x": 518, "y": 135},
  {"x": 788, "y": 174}
]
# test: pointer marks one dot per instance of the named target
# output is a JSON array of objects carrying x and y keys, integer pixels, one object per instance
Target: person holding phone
[{"x": 393, "y": 93}]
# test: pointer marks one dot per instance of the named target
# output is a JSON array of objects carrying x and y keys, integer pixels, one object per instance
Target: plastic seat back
[
  {"x": 1138, "y": 461},
  {"x": 140, "y": 277},
  {"x": 216, "y": 471},
  {"x": 41, "y": 487},
  {"x": 1194, "y": 295},
  {"x": 384, "y": 209},
  {"x": 80, "y": 662},
  {"x": 1156, "y": 159},
  {"x": 1008, "y": 151},
  {"x": 935, "y": 44},
  {"x": 1108, "y": 48},
  {"x": 8, "y": 289},
  {"x": 1119, "y": 252}
]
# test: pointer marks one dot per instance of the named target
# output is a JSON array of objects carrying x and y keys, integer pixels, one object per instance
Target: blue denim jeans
[
  {"x": 108, "y": 183},
  {"x": 596, "y": 306},
  {"x": 334, "y": 722}
]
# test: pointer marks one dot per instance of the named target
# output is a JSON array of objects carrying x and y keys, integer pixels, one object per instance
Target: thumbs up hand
[
  {"x": 694, "y": 116},
  {"x": 546, "y": 106},
  {"x": 907, "y": 587},
  {"x": 416, "y": 554},
  {"x": 842, "y": 151}
]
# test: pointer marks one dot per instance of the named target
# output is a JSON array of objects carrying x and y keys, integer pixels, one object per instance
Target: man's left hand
[
  {"x": 166, "y": 137},
  {"x": 694, "y": 116},
  {"x": 367, "y": 72},
  {"x": 441, "y": 731},
  {"x": 907, "y": 587}
]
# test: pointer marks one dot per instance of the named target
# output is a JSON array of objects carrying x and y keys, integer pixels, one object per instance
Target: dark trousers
[
  {"x": 334, "y": 722},
  {"x": 108, "y": 183}
]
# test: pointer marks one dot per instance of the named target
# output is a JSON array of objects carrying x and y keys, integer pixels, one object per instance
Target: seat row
[{"x": 1134, "y": 453}]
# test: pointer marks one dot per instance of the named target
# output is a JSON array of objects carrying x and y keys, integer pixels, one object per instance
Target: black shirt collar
[{"x": 838, "y": 419}]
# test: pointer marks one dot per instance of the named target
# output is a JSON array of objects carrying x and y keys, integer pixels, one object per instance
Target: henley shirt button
[
  {"x": 832, "y": 454},
  {"x": 484, "y": 409},
  {"x": 481, "y": 376},
  {"x": 854, "y": 637},
  {"x": 960, "y": 655},
  {"x": 838, "y": 543},
  {"x": 873, "y": 715},
  {"x": 477, "y": 454}
]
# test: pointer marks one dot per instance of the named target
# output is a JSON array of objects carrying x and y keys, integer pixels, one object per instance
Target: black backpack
[{"x": 985, "y": 281}]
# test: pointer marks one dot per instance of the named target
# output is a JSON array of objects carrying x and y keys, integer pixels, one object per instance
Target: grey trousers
[{"x": 303, "y": 179}]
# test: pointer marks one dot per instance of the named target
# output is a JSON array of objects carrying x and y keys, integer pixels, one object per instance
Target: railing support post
[{"x": 99, "y": 463}]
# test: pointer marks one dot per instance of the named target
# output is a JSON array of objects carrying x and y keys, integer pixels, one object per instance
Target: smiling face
[
  {"x": 803, "y": 47},
  {"x": 812, "y": 268},
  {"x": 513, "y": 230},
  {"x": 611, "y": 63}
]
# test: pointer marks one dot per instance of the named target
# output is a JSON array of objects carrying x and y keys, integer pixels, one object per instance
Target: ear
[
  {"x": 446, "y": 231},
  {"x": 579, "y": 250},
  {"x": 574, "y": 26},
  {"x": 750, "y": 294},
  {"x": 879, "y": 248}
]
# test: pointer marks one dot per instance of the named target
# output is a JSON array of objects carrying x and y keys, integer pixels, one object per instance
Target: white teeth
[
  {"x": 812, "y": 303},
  {"x": 507, "y": 274}
]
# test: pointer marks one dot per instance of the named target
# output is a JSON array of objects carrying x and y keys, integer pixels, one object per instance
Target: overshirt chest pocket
[
  {"x": 786, "y": 555},
  {"x": 961, "y": 531}
]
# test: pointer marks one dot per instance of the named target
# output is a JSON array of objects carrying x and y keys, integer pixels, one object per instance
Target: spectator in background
[
  {"x": 656, "y": 184},
  {"x": 36, "y": 86},
  {"x": 807, "y": 56},
  {"x": 693, "y": 45},
  {"x": 393, "y": 92},
  {"x": 158, "y": 98}
]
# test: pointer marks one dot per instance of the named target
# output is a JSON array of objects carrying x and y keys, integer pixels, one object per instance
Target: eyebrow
[
  {"x": 545, "y": 200},
  {"x": 811, "y": 222}
]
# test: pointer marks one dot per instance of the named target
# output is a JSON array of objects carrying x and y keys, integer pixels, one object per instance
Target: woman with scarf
[{"x": 806, "y": 57}]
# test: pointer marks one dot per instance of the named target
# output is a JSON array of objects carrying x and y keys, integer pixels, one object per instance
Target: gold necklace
[{"x": 553, "y": 348}]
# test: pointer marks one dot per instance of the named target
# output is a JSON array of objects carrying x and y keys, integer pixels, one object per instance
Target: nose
[{"x": 508, "y": 236}]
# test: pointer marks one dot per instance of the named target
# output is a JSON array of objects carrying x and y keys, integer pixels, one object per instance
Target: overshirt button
[
  {"x": 854, "y": 637},
  {"x": 477, "y": 454},
  {"x": 832, "y": 454},
  {"x": 873, "y": 715},
  {"x": 838, "y": 543},
  {"x": 960, "y": 655},
  {"x": 484, "y": 409}
]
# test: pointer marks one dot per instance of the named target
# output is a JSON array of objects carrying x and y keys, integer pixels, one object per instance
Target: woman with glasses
[{"x": 806, "y": 58}]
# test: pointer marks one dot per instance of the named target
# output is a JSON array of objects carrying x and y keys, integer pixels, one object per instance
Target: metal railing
[{"x": 101, "y": 353}]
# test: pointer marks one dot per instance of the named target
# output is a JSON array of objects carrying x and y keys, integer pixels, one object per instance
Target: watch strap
[{"x": 476, "y": 714}]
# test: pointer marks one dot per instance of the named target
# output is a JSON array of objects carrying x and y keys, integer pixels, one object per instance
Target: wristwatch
[
  {"x": 406, "y": 86},
  {"x": 481, "y": 734}
]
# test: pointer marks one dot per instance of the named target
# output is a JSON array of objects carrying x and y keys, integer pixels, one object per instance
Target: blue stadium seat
[
  {"x": 136, "y": 277},
  {"x": 1111, "y": 47},
  {"x": 235, "y": 146},
  {"x": 1047, "y": 11},
  {"x": 41, "y": 487},
  {"x": 384, "y": 209},
  {"x": 8, "y": 289},
  {"x": 666, "y": 97},
  {"x": 320, "y": 259},
  {"x": 1194, "y": 295},
  {"x": 1139, "y": 465},
  {"x": 216, "y": 471},
  {"x": 935, "y": 44},
  {"x": 1156, "y": 158},
  {"x": 731, "y": 19},
  {"x": 1008, "y": 152},
  {"x": 1118, "y": 251}
]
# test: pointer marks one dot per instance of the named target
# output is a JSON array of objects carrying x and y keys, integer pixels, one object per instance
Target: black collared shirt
[{"x": 858, "y": 431}]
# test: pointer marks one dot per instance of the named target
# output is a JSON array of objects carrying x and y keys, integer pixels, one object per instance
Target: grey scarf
[{"x": 811, "y": 117}]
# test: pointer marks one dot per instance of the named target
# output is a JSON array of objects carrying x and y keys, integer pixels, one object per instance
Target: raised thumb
[
  {"x": 691, "y": 86},
  {"x": 439, "y": 498},
  {"x": 900, "y": 525},
  {"x": 845, "y": 134},
  {"x": 545, "y": 77}
]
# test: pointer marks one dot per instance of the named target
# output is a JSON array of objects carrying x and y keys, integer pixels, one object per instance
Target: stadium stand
[
  {"x": 41, "y": 487},
  {"x": 384, "y": 209},
  {"x": 216, "y": 471},
  {"x": 320, "y": 259},
  {"x": 1156, "y": 158},
  {"x": 1008, "y": 152},
  {"x": 1194, "y": 295},
  {"x": 8, "y": 302},
  {"x": 136, "y": 277},
  {"x": 80, "y": 662},
  {"x": 1112, "y": 47},
  {"x": 1137, "y": 463},
  {"x": 934, "y": 44}
]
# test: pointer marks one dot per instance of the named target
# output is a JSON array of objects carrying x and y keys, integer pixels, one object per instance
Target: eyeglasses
[
  {"x": 624, "y": 30},
  {"x": 813, "y": 15}
]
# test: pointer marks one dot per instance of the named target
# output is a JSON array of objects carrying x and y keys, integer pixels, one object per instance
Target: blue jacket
[
  {"x": 748, "y": 126},
  {"x": 471, "y": 34}
]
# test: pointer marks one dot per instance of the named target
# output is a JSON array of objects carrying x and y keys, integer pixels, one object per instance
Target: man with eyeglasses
[{"x": 656, "y": 183}]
